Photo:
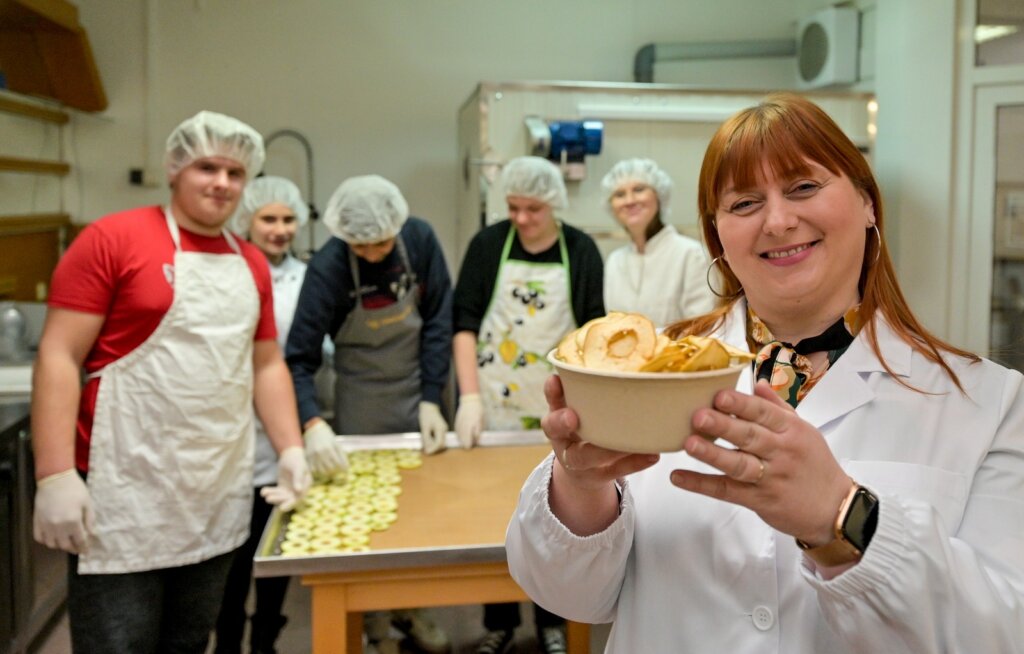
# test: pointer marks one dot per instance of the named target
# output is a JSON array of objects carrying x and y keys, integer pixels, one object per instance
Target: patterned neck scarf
[{"x": 786, "y": 367}]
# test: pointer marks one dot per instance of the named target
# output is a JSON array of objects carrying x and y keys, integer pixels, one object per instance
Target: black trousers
[{"x": 267, "y": 620}]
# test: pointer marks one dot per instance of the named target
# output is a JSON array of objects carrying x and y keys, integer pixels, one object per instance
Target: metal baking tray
[{"x": 456, "y": 507}]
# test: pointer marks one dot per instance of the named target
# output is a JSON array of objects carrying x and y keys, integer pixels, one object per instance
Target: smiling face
[
  {"x": 796, "y": 242},
  {"x": 634, "y": 204},
  {"x": 533, "y": 220},
  {"x": 273, "y": 229},
  {"x": 205, "y": 193}
]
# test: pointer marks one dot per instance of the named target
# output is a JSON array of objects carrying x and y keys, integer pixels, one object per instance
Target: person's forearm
[
  {"x": 56, "y": 392},
  {"x": 275, "y": 405},
  {"x": 464, "y": 352},
  {"x": 583, "y": 511}
]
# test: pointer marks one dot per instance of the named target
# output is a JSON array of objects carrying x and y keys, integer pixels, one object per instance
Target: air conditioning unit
[{"x": 826, "y": 48}]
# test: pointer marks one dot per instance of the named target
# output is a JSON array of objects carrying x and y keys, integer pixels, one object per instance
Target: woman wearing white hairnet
[
  {"x": 270, "y": 213},
  {"x": 661, "y": 274},
  {"x": 145, "y": 471},
  {"x": 524, "y": 283},
  {"x": 381, "y": 290}
]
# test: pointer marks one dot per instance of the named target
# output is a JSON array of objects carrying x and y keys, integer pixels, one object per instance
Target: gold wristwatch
[{"x": 855, "y": 525}]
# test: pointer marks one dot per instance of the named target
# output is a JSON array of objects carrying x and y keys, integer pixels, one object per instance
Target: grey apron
[{"x": 377, "y": 360}]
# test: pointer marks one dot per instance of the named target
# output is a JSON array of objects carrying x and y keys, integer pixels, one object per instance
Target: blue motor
[{"x": 576, "y": 139}]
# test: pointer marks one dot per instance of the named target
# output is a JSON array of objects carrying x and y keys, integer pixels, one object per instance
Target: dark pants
[
  {"x": 267, "y": 620},
  {"x": 506, "y": 617},
  {"x": 166, "y": 611}
]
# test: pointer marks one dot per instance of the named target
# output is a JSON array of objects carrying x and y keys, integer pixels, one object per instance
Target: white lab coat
[
  {"x": 679, "y": 572},
  {"x": 666, "y": 283}
]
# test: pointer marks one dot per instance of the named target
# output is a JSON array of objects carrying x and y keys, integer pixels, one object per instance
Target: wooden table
[{"x": 445, "y": 549}]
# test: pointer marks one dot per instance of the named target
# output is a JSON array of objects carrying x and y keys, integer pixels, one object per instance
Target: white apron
[
  {"x": 170, "y": 462},
  {"x": 529, "y": 312}
]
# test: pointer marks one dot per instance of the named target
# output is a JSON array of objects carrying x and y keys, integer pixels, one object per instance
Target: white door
[{"x": 994, "y": 321}]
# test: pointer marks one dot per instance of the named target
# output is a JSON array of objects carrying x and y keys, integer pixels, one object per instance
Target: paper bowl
[{"x": 645, "y": 412}]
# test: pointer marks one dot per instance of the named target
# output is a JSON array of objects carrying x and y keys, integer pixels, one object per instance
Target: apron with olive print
[
  {"x": 377, "y": 360},
  {"x": 529, "y": 312}
]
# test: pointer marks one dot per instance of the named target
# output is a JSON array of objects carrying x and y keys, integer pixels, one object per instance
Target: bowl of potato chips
[{"x": 634, "y": 389}]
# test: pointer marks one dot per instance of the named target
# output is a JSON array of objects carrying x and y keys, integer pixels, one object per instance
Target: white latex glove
[
  {"x": 293, "y": 479},
  {"x": 64, "y": 517},
  {"x": 469, "y": 419},
  {"x": 326, "y": 455},
  {"x": 433, "y": 428}
]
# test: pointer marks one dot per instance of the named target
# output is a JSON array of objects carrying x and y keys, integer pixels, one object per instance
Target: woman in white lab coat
[
  {"x": 884, "y": 513},
  {"x": 269, "y": 214},
  {"x": 660, "y": 273}
]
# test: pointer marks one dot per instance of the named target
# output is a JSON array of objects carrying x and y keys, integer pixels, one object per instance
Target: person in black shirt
[{"x": 524, "y": 283}]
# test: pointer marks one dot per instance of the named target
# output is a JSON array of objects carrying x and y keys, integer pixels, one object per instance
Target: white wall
[{"x": 374, "y": 85}]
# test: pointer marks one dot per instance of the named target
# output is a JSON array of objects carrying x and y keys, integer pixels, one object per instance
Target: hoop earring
[
  {"x": 707, "y": 278},
  {"x": 878, "y": 235}
]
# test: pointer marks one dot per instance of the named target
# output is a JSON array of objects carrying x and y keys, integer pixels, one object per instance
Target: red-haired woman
[{"x": 866, "y": 489}]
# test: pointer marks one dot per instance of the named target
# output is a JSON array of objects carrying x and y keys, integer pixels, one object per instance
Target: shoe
[
  {"x": 552, "y": 640},
  {"x": 495, "y": 642},
  {"x": 421, "y": 630}
]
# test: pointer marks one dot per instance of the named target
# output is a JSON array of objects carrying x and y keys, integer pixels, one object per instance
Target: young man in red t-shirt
[{"x": 145, "y": 470}]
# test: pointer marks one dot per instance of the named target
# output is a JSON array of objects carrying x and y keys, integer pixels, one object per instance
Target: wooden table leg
[
  {"x": 334, "y": 629},
  {"x": 577, "y": 636}
]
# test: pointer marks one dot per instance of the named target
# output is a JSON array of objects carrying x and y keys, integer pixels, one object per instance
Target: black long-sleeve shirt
[
  {"x": 328, "y": 295},
  {"x": 479, "y": 272}
]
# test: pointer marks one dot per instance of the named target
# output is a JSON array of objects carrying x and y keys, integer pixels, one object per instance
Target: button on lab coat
[{"x": 680, "y": 572}]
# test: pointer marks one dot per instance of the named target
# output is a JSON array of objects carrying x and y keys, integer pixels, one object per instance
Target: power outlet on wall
[{"x": 145, "y": 177}]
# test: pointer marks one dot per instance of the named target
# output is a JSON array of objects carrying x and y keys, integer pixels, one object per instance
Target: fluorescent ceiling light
[
  {"x": 983, "y": 33},
  {"x": 695, "y": 114}
]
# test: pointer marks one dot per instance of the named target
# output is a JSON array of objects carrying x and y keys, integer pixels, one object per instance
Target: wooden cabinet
[{"x": 44, "y": 51}]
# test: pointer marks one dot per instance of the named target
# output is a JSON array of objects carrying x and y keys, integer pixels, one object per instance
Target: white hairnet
[
  {"x": 639, "y": 170},
  {"x": 264, "y": 191},
  {"x": 535, "y": 177},
  {"x": 366, "y": 209},
  {"x": 209, "y": 134}
]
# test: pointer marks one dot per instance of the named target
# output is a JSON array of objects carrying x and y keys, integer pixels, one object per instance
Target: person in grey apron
[
  {"x": 381, "y": 289},
  {"x": 168, "y": 334},
  {"x": 525, "y": 305}
]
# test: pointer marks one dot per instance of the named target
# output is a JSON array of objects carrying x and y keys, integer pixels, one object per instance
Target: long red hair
[{"x": 781, "y": 132}]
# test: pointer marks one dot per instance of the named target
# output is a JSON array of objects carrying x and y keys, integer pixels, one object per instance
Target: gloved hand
[
  {"x": 433, "y": 428},
  {"x": 64, "y": 517},
  {"x": 293, "y": 479},
  {"x": 469, "y": 419},
  {"x": 326, "y": 455}
]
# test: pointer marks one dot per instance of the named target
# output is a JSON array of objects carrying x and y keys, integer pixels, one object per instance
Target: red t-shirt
[{"x": 120, "y": 267}]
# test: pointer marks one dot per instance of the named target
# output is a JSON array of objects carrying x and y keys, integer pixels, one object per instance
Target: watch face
[{"x": 861, "y": 519}]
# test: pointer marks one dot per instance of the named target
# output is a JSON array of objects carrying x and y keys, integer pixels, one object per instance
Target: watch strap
[{"x": 838, "y": 551}]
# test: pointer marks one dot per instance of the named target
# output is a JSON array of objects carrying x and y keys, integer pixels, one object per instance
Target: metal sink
[{"x": 15, "y": 379}]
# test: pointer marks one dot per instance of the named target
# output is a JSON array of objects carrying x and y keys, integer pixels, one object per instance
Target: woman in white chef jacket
[
  {"x": 269, "y": 214},
  {"x": 660, "y": 273},
  {"x": 884, "y": 513}
]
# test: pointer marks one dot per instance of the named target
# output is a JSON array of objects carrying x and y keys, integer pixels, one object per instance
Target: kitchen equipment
[
  {"x": 33, "y": 578},
  {"x": 13, "y": 334}
]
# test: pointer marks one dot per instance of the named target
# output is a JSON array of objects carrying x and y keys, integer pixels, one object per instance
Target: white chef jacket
[
  {"x": 680, "y": 572},
  {"x": 666, "y": 282}
]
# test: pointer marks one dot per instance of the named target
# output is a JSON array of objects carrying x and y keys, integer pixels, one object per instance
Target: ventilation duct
[{"x": 648, "y": 55}]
